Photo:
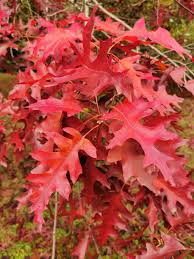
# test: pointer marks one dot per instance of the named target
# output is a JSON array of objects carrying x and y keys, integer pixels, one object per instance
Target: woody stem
[{"x": 54, "y": 227}]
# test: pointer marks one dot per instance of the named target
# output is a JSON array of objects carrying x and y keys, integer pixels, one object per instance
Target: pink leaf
[
  {"x": 53, "y": 167},
  {"x": 160, "y": 36},
  {"x": 51, "y": 105},
  {"x": 190, "y": 86},
  {"x": 171, "y": 245},
  {"x": 130, "y": 115}
]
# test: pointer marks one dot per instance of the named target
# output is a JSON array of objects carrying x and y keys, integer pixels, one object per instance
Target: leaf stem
[{"x": 92, "y": 129}]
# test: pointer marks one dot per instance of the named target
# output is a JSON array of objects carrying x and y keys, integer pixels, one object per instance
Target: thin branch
[
  {"x": 86, "y": 8},
  {"x": 57, "y": 12},
  {"x": 138, "y": 3},
  {"x": 186, "y": 8},
  {"x": 188, "y": 46},
  {"x": 46, "y": 7},
  {"x": 11, "y": 52},
  {"x": 112, "y": 15},
  {"x": 29, "y": 7},
  {"x": 129, "y": 28},
  {"x": 96, "y": 246},
  {"x": 95, "y": 243},
  {"x": 65, "y": 9},
  {"x": 99, "y": 122},
  {"x": 54, "y": 227},
  {"x": 158, "y": 11}
]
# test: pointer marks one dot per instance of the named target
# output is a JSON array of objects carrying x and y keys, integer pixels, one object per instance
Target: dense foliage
[{"x": 96, "y": 116}]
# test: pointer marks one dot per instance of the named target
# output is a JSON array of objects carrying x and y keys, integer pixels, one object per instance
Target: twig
[
  {"x": 138, "y": 3},
  {"x": 86, "y": 8},
  {"x": 158, "y": 11},
  {"x": 186, "y": 8},
  {"x": 29, "y": 7},
  {"x": 54, "y": 227},
  {"x": 65, "y": 9},
  {"x": 129, "y": 28},
  {"x": 112, "y": 15},
  {"x": 96, "y": 246},
  {"x": 11, "y": 52},
  {"x": 188, "y": 46},
  {"x": 57, "y": 12},
  {"x": 92, "y": 129},
  {"x": 46, "y": 7},
  {"x": 95, "y": 243}
]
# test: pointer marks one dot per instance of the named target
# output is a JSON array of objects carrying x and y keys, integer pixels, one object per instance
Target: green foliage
[
  {"x": 20, "y": 250},
  {"x": 181, "y": 29},
  {"x": 6, "y": 83}
]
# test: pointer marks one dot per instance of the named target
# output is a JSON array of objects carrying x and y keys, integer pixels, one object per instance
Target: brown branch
[
  {"x": 86, "y": 8},
  {"x": 111, "y": 15},
  {"x": 54, "y": 227},
  {"x": 138, "y": 3},
  {"x": 57, "y": 12},
  {"x": 186, "y": 8},
  {"x": 158, "y": 11}
]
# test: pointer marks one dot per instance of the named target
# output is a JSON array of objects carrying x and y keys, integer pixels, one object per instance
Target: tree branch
[
  {"x": 54, "y": 227},
  {"x": 186, "y": 8},
  {"x": 86, "y": 8}
]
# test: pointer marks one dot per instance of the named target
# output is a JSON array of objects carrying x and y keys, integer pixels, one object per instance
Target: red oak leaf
[
  {"x": 97, "y": 74},
  {"x": 111, "y": 205},
  {"x": 164, "y": 38},
  {"x": 171, "y": 245},
  {"x": 109, "y": 26},
  {"x": 135, "y": 80},
  {"x": 174, "y": 195},
  {"x": 160, "y": 36},
  {"x": 54, "y": 42},
  {"x": 16, "y": 140},
  {"x": 177, "y": 75},
  {"x": 68, "y": 152},
  {"x": 44, "y": 185},
  {"x": 130, "y": 114},
  {"x": 127, "y": 112},
  {"x": 96, "y": 71},
  {"x": 166, "y": 100},
  {"x": 132, "y": 163},
  {"x": 92, "y": 175},
  {"x": 52, "y": 104},
  {"x": 53, "y": 168}
]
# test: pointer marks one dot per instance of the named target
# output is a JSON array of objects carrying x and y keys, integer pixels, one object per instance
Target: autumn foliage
[{"x": 98, "y": 112}]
